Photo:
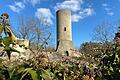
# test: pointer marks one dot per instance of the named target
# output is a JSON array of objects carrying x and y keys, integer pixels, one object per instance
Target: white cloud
[
  {"x": 20, "y": 5},
  {"x": 75, "y": 6},
  {"x": 108, "y": 9},
  {"x": 110, "y": 13},
  {"x": 87, "y": 12},
  {"x": 33, "y": 2},
  {"x": 76, "y": 17},
  {"x": 13, "y": 8},
  {"x": 44, "y": 15},
  {"x": 82, "y": 14},
  {"x": 104, "y": 5},
  {"x": 17, "y": 7}
]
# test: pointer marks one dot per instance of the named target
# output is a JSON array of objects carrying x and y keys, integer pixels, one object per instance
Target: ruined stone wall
[{"x": 22, "y": 42}]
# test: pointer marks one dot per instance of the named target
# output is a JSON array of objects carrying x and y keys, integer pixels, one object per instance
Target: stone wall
[{"x": 22, "y": 42}]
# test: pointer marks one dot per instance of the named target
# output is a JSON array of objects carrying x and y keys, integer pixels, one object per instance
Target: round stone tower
[{"x": 64, "y": 31}]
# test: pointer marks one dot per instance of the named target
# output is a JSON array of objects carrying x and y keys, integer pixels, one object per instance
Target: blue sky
[{"x": 86, "y": 14}]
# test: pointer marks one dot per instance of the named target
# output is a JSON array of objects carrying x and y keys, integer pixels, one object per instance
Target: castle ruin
[{"x": 64, "y": 31}]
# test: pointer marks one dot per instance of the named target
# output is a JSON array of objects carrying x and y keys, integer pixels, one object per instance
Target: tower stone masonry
[{"x": 64, "y": 31}]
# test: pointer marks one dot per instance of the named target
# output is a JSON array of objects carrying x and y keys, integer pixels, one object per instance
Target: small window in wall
[
  {"x": 64, "y": 28},
  {"x": 67, "y": 53}
]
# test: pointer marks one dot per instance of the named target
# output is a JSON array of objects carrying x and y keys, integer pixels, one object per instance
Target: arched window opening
[
  {"x": 67, "y": 53},
  {"x": 64, "y": 28}
]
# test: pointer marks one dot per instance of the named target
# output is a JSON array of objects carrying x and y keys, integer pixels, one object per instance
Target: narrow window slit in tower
[{"x": 64, "y": 28}]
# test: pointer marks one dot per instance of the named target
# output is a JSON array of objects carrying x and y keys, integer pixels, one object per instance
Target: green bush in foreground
[
  {"x": 67, "y": 68},
  {"x": 110, "y": 64}
]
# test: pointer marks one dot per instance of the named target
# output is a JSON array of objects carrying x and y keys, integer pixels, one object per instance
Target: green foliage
[
  {"x": 110, "y": 64},
  {"x": 20, "y": 72},
  {"x": 44, "y": 74},
  {"x": 31, "y": 72},
  {"x": 68, "y": 68},
  {"x": 9, "y": 36}
]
